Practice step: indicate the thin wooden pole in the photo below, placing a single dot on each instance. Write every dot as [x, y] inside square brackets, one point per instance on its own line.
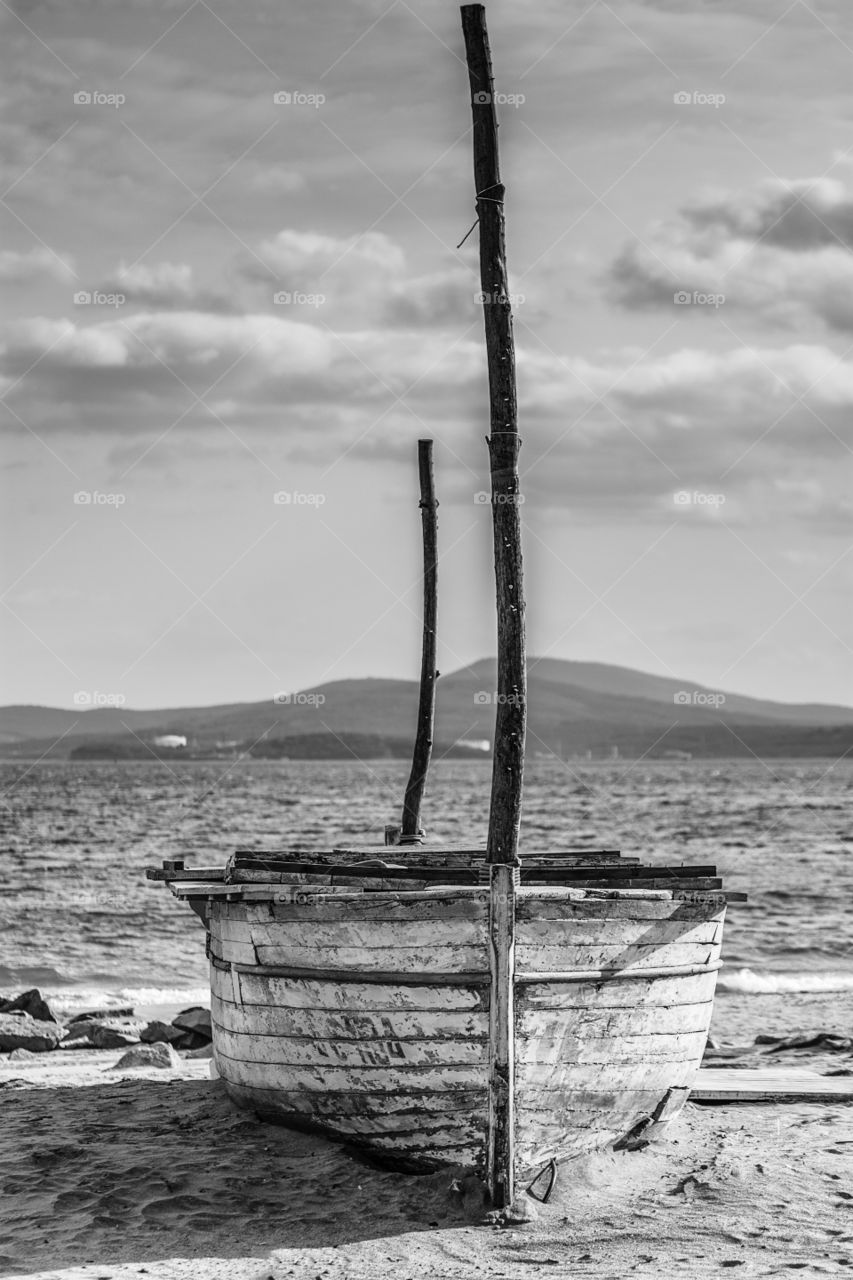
[511, 712]
[410, 830]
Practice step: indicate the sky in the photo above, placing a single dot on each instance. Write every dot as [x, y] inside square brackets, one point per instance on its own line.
[232, 302]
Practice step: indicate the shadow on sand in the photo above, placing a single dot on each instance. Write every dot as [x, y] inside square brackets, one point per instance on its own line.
[133, 1169]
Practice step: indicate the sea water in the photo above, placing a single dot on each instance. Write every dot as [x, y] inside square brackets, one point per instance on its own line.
[79, 919]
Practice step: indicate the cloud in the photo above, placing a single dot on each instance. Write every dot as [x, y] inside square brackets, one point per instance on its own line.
[22, 268]
[781, 252]
[366, 280]
[166, 285]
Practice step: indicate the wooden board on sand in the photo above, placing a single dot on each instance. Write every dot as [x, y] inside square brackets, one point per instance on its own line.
[769, 1084]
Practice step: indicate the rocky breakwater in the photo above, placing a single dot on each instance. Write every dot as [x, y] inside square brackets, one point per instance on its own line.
[28, 1026]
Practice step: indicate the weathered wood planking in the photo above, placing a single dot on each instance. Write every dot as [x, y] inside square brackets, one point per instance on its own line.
[605, 955]
[436, 1077]
[327, 1055]
[598, 1020]
[325, 1024]
[661, 992]
[769, 1084]
[355, 997]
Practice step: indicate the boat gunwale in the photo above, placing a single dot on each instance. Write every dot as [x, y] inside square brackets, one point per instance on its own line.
[473, 978]
[317, 894]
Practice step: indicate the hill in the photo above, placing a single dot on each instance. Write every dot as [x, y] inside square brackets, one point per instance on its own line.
[574, 707]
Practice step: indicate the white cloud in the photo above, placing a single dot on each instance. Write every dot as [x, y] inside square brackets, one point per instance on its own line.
[19, 268]
[781, 251]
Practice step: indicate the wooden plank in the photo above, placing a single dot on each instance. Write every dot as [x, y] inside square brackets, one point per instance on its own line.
[399, 1079]
[544, 1053]
[185, 873]
[370, 936]
[769, 1084]
[330, 1055]
[361, 997]
[436, 962]
[533, 910]
[646, 993]
[631, 974]
[386, 869]
[390, 1112]
[605, 956]
[613, 1077]
[603, 1021]
[426, 851]
[345, 1024]
[605, 932]
[195, 889]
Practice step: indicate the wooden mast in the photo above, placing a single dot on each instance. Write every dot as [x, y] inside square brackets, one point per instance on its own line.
[410, 830]
[511, 712]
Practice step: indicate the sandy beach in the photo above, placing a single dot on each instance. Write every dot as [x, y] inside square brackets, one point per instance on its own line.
[109, 1174]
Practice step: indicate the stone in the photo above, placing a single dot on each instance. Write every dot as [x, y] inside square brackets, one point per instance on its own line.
[17, 1054]
[195, 1019]
[114, 1033]
[30, 1002]
[20, 1031]
[161, 1033]
[98, 1015]
[206, 1051]
[158, 1055]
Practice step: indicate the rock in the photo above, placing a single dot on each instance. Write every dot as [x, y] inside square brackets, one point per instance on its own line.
[161, 1033]
[195, 1019]
[20, 1031]
[148, 1055]
[17, 1054]
[114, 1035]
[104, 1034]
[30, 1002]
[206, 1051]
[191, 1040]
[98, 1015]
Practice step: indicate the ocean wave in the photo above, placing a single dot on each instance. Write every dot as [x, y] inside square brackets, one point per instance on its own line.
[80, 998]
[748, 982]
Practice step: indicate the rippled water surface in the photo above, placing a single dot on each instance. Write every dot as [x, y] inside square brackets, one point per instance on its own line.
[77, 915]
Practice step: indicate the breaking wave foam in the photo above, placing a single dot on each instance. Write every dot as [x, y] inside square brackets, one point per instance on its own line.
[748, 982]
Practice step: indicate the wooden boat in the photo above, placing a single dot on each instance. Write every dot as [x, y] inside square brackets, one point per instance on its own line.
[460, 1007]
[356, 997]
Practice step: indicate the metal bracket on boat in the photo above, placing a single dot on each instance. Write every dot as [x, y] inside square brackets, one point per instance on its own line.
[550, 1171]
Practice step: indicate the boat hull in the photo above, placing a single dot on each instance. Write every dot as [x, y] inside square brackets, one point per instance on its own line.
[366, 1015]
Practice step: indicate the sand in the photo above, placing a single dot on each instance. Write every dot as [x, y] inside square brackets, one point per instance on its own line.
[156, 1174]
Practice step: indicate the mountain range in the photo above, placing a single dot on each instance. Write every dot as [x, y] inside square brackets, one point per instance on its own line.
[574, 708]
